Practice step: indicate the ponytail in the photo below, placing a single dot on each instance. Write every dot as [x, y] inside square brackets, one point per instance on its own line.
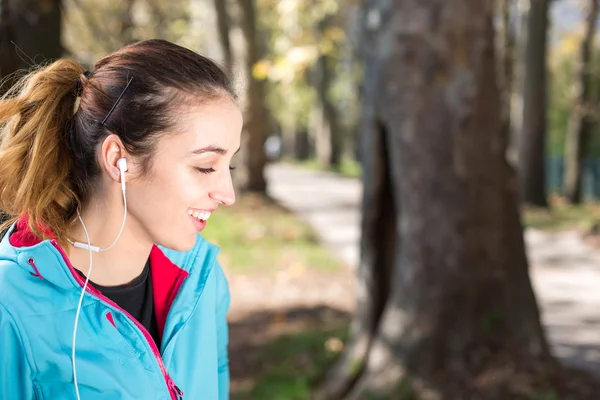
[35, 162]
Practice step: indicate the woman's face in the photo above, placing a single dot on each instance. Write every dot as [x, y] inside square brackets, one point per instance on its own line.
[189, 176]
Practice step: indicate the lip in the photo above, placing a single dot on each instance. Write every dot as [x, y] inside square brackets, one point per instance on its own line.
[198, 225]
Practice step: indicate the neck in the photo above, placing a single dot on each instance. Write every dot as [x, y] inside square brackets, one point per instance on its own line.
[124, 261]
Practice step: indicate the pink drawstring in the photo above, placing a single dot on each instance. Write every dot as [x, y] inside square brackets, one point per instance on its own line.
[31, 262]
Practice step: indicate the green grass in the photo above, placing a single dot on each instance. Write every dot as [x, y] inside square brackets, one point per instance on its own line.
[562, 216]
[256, 234]
[293, 363]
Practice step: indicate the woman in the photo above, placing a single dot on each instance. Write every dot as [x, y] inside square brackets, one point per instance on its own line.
[107, 290]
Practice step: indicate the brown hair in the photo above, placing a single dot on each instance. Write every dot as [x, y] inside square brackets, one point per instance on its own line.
[54, 119]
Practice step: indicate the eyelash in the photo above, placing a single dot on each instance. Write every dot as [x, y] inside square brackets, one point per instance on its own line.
[207, 171]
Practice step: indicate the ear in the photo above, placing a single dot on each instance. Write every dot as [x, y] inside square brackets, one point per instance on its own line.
[113, 150]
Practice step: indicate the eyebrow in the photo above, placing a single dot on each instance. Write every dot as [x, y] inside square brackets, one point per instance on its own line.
[210, 149]
[213, 149]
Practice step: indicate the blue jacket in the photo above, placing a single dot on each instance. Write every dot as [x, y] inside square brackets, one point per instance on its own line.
[39, 292]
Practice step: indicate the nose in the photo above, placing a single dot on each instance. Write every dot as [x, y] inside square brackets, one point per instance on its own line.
[224, 193]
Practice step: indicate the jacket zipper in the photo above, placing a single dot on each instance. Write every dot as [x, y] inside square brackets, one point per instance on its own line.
[174, 391]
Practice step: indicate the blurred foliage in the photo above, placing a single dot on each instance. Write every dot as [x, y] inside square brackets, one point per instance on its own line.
[298, 32]
[93, 28]
[295, 33]
[562, 74]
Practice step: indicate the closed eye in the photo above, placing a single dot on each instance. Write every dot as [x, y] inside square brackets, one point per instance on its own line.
[210, 170]
[205, 170]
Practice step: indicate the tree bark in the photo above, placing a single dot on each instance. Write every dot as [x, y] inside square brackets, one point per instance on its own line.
[256, 120]
[223, 27]
[579, 123]
[444, 294]
[518, 72]
[533, 139]
[508, 48]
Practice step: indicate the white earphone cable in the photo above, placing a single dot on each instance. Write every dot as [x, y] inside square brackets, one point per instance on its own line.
[91, 248]
[79, 311]
[122, 225]
[98, 249]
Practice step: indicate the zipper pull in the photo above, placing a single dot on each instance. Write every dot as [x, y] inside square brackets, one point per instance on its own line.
[175, 388]
[178, 391]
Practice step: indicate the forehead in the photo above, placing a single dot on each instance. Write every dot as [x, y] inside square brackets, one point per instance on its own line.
[217, 123]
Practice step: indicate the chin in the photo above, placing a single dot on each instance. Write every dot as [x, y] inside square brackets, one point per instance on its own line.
[181, 244]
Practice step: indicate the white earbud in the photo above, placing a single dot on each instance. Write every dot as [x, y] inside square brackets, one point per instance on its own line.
[122, 164]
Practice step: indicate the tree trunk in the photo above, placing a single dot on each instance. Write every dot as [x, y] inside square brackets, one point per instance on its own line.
[328, 136]
[223, 27]
[31, 34]
[444, 294]
[507, 48]
[518, 72]
[301, 144]
[579, 123]
[533, 138]
[256, 119]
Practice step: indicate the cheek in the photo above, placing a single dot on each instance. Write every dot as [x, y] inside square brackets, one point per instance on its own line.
[176, 187]
[162, 209]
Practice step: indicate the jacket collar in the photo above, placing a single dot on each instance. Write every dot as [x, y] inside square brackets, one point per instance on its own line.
[47, 260]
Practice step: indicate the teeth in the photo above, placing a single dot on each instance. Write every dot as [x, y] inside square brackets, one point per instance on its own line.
[199, 215]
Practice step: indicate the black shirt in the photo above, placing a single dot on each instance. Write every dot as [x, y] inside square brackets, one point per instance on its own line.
[136, 298]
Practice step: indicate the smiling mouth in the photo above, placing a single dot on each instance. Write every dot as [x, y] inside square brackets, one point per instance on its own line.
[200, 215]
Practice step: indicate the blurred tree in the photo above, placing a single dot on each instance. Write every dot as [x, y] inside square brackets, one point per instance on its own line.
[444, 292]
[256, 116]
[563, 61]
[328, 132]
[304, 36]
[519, 17]
[507, 39]
[533, 137]
[223, 27]
[581, 115]
[30, 34]
[126, 25]
[94, 28]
